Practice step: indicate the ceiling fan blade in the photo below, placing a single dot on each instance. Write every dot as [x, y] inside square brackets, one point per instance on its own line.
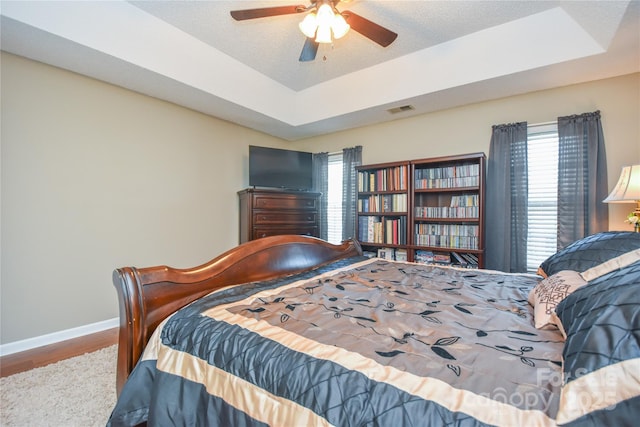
[241, 15]
[309, 50]
[370, 29]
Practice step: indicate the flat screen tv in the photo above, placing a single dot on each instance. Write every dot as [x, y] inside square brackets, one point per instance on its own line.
[277, 168]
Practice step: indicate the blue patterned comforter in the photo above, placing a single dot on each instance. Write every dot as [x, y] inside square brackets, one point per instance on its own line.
[361, 342]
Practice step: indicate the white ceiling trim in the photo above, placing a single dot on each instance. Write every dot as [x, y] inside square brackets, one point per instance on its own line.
[499, 51]
[124, 31]
[175, 51]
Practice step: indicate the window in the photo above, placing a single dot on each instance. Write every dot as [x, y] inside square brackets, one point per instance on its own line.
[542, 146]
[334, 198]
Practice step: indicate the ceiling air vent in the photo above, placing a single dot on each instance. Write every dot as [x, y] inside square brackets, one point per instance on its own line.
[401, 109]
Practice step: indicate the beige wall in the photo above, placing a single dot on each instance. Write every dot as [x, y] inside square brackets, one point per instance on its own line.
[468, 129]
[96, 177]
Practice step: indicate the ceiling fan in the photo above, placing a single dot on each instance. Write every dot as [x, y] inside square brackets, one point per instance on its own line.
[322, 20]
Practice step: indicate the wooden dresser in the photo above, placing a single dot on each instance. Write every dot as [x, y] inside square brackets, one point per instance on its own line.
[273, 212]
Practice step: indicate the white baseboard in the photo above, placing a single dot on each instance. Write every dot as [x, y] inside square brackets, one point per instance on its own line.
[31, 343]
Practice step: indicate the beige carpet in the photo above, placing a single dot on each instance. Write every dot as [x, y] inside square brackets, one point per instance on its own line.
[80, 391]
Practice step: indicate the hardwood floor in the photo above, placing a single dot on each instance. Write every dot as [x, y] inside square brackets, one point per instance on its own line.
[42, 356]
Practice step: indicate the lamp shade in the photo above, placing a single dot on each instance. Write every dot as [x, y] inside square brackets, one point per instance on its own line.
[323, 35]
[308, 25]
[628, 187]
[339, 26]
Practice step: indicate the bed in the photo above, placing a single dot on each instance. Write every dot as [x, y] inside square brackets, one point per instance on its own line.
[295, 331]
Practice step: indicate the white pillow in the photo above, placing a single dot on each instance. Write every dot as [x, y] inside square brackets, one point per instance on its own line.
[548, 293]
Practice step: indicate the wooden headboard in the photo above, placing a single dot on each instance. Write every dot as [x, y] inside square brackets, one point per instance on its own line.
[148, 295]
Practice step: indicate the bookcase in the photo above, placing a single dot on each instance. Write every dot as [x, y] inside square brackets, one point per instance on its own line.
[433, 213]
[383, 206]
[448, 209]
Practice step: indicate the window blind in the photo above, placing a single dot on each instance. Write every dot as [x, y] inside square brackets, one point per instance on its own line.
[543, 194]
[334, 198]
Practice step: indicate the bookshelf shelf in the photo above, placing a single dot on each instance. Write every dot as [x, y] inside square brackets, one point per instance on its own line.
[445, 190]
[445, 220]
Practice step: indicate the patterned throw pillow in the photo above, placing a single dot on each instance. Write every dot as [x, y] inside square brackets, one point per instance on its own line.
[548, 293]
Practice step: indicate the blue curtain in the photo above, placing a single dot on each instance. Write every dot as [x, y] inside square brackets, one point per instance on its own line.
[320, 167]
[351, 157]
[506, 212]
[582, 178]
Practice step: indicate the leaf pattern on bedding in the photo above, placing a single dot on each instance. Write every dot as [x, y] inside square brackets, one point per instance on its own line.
[390, 353]
[529, 361]
[390, 314]
[445, 323]
[442, 353]
[460, 308]
[454, 368]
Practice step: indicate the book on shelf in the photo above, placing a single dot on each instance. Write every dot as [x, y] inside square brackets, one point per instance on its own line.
[430, 257]
[463, 206]
[472, 260]
[369, 228]
[459, 259]
[386, 253]
[382, 203]
[459, 236]
[401, 255]
[423, 257]
[386, 230]
[447, 177]
[441, 258]
[384, 179]
[469, 212]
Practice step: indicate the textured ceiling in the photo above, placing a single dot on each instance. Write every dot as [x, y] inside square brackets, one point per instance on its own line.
[448, 53]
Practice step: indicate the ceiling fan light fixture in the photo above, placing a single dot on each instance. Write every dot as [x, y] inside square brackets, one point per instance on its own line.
[324, 15]
[308, 25]
[323, 35]
[339, 26]
[324, 18]
[321, 24]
